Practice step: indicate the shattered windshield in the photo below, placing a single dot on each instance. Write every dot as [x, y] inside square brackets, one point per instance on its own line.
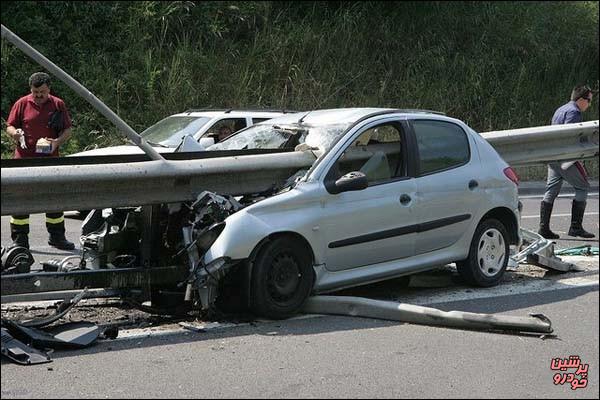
[169, 131]
[266, 136]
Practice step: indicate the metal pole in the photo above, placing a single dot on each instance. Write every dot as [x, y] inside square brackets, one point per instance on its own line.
[83, 92]
[389, 310]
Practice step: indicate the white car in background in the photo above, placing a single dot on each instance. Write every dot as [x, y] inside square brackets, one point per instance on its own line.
[200, 125]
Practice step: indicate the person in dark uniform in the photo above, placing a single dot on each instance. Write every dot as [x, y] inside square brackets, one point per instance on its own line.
[572, 171]
[39, 123]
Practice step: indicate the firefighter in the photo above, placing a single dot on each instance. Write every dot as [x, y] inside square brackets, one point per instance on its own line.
[39, 123]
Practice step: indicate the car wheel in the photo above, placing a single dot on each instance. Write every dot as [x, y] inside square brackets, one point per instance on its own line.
[488, 255]
[282, 278]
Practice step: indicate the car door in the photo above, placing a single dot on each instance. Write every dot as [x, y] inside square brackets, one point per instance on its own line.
[375, 224]
[448, 193]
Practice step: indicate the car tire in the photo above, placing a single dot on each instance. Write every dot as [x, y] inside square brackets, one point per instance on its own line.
[282, 278]
[488, 255]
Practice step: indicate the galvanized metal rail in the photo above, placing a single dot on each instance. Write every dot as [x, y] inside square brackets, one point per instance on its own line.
[390, 310]
[55, 188]
[541, 144]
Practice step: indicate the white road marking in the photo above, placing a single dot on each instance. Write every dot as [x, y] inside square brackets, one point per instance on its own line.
[512, 289]
[539, 196]
[556, 215]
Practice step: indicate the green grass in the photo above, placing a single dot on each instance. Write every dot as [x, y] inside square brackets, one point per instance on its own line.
[495, 65]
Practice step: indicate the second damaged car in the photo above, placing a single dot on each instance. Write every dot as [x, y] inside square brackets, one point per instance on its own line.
[391, 193]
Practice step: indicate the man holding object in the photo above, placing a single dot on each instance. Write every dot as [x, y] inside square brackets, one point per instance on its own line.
[39, 123]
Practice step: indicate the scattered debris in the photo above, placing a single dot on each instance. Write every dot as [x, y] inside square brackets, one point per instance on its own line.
[16, 260]
[540, 252]
[62, 309]
[24, 342]
[584, 250]
[19, 352]
[205, 326]
[72, 335]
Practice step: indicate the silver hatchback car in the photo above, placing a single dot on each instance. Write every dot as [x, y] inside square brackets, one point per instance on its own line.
[391, 193]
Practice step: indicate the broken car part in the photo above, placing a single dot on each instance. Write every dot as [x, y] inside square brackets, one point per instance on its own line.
[583, 250]
[63, 308]
[540, 252]
[208, 213]
[110, 238]
[389, 310]
[16, 260]
[64, 265]
[20, 353]
[72, 335]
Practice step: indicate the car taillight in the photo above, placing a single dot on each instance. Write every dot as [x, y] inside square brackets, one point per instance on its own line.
[512, 175]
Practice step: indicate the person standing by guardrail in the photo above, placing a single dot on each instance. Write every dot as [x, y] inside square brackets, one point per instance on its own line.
[573, 171]
[39, 123]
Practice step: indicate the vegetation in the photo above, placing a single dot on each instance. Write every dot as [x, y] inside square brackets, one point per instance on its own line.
[495, 65]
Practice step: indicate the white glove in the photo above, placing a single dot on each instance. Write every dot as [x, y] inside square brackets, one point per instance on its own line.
[22, 138]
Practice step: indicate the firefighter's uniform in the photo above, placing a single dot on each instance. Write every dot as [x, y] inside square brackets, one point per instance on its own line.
[55, 223]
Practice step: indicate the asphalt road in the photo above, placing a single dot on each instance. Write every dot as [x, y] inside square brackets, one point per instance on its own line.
[333, 357]
[337, 357]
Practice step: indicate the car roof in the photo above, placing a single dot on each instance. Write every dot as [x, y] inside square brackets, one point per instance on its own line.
[212, 113]
[342, 115]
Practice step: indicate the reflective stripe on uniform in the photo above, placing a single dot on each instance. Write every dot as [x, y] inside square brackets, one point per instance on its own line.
[16, 221]
[55, 220]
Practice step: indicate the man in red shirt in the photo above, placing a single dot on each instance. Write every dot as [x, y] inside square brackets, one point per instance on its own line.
[40, 124]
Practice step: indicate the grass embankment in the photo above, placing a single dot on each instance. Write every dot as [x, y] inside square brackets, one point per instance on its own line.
[495, 65]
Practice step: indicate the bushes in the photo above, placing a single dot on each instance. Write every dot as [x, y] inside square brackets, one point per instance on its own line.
[496, 65]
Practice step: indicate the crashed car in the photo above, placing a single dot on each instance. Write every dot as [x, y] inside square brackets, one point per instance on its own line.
[391, 193]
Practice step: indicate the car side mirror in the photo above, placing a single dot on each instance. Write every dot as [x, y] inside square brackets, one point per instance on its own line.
[352, 181]
[206, 141]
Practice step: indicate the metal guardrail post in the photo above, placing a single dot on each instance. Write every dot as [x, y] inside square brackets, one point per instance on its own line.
[540, 252]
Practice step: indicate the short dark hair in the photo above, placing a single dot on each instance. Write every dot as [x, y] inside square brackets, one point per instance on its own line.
[580, 92]
[38, 79]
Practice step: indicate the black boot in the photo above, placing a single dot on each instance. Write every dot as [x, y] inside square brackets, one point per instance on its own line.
[21, 240]
[60, 242]
[545, 213]
[577, 211]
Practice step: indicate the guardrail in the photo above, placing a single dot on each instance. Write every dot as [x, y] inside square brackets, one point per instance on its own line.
[542, 144]
[83, 187]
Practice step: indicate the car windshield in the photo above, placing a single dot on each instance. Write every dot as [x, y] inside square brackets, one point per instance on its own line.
[169, 131]
[269, 136]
